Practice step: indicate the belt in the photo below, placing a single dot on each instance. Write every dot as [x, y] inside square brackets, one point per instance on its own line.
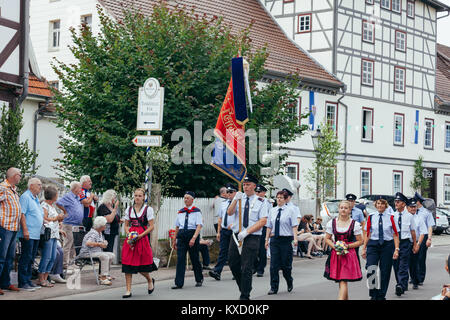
[282, 237]
[404, 240]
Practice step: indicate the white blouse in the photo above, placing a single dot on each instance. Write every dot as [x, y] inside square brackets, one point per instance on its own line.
[357, 230]
[150, 214]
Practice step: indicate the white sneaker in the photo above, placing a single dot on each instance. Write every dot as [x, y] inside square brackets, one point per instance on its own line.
[56, 278]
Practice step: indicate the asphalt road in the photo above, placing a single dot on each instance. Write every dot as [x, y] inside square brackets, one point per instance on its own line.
[309, 284]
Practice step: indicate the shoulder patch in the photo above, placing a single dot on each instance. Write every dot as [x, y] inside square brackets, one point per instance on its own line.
[260, 199]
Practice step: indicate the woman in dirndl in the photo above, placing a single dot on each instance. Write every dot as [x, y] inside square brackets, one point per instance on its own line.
[137, 255]
[343, 266]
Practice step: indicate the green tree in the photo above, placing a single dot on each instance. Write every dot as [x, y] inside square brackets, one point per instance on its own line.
[321, 176]
[14, 153]
[419, 183]
[190, 56]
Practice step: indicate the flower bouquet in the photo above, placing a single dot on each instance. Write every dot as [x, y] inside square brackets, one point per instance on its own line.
[132, 238]
[341, 248]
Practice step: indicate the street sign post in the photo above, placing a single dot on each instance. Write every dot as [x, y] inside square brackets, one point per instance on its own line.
[147, 141]
[149, 118]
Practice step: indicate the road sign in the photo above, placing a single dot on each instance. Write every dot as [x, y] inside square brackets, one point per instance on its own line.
[150, 106]
[147, 141]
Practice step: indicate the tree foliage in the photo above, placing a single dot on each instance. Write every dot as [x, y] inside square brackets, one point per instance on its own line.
[322, 174]
[14, 153]
[190, 56]
[419, 183]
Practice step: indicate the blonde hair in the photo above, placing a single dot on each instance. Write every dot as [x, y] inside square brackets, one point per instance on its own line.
[383, 201]
[141, 190]
[346, 202]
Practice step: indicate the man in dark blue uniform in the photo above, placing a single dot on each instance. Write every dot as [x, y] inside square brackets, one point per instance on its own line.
[224, 233]
[261, 259]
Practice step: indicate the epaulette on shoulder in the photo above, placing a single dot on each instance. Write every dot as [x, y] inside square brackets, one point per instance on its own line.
[261, 199]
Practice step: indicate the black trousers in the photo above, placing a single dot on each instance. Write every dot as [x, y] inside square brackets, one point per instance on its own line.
[110, 238]
[183, 238]
[422, 259]
[281, 255]
[261, 259]
[414, 267]
[241, 265]
[401, 265]
[225, 238]
[381, 256]
[204, 251]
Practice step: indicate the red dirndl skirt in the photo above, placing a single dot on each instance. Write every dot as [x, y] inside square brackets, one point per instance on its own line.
[343, 267]
[138, 258]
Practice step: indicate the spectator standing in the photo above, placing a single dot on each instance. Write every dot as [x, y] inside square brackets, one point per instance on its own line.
[51, 220]
[73, 212]
[10, 213]
[57, 270]
[29, 235]
[86, 199]
[108, 209]
[93, 243]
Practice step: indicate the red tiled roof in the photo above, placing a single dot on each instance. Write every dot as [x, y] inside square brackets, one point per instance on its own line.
[443, 73]
[284, 55]
[38, 87]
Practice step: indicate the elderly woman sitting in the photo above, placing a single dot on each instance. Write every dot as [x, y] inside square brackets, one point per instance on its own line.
[94, 242]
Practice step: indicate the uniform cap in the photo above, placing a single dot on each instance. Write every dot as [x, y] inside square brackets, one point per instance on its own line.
[412, 202]
[418, 197]
[192, 194]
[260, 188]
[401, 197]
[250, 178]
[350, 196]
[288, 192]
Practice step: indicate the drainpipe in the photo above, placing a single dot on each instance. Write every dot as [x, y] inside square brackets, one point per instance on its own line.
[345, 141]
[36, 119]
[25, 45]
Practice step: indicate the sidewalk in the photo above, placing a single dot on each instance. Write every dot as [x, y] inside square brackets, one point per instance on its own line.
[88, 283]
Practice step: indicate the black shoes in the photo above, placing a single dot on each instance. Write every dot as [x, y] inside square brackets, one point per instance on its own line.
[260, 275]
[150, 291]
[290, 287]
[214, 275]
[199, 284]
[271, 292]
[398, 290]
[177, 287]
[207, 268]
[127, 295]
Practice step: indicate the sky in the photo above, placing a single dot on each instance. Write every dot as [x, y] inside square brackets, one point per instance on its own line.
[443, 27]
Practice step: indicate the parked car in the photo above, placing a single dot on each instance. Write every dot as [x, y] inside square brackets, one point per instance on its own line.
[373, 197]
[442, 221]
[330, 209]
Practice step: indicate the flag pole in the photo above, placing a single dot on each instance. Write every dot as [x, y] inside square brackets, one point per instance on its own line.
[240, 213]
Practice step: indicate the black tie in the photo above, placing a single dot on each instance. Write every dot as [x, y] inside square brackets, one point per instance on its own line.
[380, 230]
[277, 224]
[400, 225]
[225, 221]
[186, 219]
[246, 210]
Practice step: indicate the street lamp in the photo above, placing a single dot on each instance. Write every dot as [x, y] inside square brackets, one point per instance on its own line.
[316, 139]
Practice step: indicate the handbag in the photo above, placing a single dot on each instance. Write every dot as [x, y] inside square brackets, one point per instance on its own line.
[47, 234]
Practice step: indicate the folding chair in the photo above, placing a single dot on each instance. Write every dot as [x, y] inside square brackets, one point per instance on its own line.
[80, 262]
[171, 237]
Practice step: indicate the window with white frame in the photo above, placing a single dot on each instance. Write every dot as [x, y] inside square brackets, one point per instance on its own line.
[55, 31]
[399, 79]
[331, 109]
[386, 4]
[400, 40]
[368, 31]
[397, 6]
[54, 84]
[428, 137]
[399, 120]
[367, 72]
[447, 136]
[410, 9]
[397, 182]
[369, 1]
[366, 181]
[447, 189]
[291, 170]
[367, 124]
[304, 23]
[86, 20]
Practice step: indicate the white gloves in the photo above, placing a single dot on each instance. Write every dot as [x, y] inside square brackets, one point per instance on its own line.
[238, 195]
[242, 235]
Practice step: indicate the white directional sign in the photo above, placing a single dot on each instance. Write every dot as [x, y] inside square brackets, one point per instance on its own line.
[147, 141]
[150, 106]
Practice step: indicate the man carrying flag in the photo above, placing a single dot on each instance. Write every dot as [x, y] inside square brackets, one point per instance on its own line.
[253, 219]
[250, 212]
